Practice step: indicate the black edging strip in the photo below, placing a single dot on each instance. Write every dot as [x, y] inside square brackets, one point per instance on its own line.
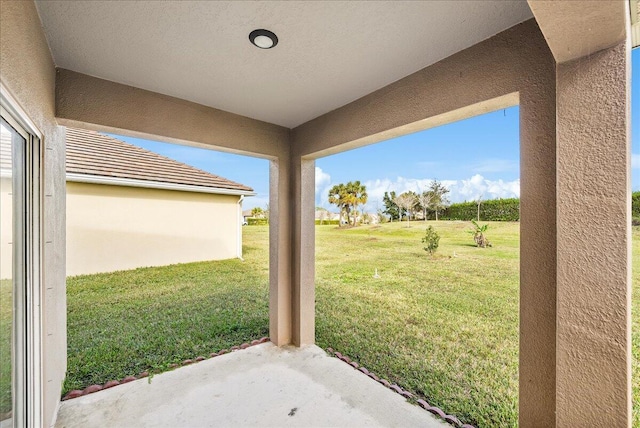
[422, 403]
[95, 388]
[406, 394]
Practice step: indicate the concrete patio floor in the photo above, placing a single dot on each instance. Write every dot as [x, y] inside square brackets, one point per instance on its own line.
[260, 386]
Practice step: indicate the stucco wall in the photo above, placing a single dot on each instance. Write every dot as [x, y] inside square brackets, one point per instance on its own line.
[28, 72]
[517, 64]
[594, 240]
[112, 228]
[513, 66]
[161, 117]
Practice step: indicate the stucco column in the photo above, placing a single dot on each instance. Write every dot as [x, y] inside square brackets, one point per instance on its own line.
[303, 246]
[594, 245]
[279, 252]
[537, 358]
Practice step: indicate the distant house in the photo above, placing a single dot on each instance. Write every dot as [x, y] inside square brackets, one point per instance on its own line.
[128, 207]
[323, 214]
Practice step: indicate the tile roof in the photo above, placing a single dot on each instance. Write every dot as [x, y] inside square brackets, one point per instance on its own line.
[94, 154]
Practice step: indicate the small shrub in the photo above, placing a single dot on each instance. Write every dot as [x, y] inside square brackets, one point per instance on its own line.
[478, 234]
[257, 221]
[431, 240]
[635, 221]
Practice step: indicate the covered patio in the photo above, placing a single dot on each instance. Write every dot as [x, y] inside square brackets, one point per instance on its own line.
[343, 75]
[260, 386]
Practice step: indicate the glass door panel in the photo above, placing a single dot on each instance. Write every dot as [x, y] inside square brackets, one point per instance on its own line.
[12, 262]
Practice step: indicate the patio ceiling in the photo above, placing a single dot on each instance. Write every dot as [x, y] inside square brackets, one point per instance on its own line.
[329, 53]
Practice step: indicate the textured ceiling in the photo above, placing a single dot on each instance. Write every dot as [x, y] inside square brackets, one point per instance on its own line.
[329, 52]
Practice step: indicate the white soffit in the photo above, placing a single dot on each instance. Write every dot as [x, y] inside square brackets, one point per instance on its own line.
[329, 52]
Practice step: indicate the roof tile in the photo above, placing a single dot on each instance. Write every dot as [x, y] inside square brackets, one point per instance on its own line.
[95, 154]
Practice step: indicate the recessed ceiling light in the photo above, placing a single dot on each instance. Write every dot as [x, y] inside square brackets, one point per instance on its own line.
[264, 39]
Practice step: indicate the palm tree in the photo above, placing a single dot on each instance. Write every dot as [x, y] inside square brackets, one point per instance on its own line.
[356, 195]
[347, 197]
[337, 196]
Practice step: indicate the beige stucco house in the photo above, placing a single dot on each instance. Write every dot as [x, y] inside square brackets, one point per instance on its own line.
[128, 207]
[344, 75]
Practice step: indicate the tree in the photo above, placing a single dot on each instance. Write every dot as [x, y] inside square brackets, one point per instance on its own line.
[431, 240]
[479, 202]
[257, 212]
[337, 196]
[407, 202]
[390, 207]
[438, 192]
[424, 199]
[347, 197]
[356, 195]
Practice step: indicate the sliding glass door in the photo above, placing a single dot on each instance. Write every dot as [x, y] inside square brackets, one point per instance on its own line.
[19, 274]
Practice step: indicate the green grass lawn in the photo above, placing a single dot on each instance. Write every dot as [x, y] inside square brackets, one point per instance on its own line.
[123, 323]
[6, 313]
[445, 328]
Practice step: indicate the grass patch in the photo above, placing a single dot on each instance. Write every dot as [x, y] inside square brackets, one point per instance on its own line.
[444, 327]
[123, 323]
[6, 317]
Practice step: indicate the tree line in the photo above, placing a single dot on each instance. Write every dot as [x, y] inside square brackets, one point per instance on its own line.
[408, 204]
[431, 204]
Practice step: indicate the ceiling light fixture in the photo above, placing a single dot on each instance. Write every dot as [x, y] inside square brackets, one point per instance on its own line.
[264, 39]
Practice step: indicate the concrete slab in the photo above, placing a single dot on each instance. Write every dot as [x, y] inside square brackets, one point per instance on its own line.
[262, 386]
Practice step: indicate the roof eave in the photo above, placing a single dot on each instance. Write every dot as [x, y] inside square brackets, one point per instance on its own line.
[634, 8]
[128, 182]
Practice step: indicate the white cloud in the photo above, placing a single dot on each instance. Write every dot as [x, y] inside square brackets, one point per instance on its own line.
[459, 190]
[322, 179]
[479, 187]
[635, 160]
[323, 184]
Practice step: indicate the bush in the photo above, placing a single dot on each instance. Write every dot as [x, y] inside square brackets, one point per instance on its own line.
[491, 210]
[635, 221]
[257, 221]
[635, 205]
[431, 240]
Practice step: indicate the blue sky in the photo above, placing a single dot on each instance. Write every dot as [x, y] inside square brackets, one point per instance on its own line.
[476, 157]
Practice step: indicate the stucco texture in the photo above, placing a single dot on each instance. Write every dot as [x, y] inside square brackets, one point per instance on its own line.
[574, 281]
[594, 240]
[513, 66]
[111, 228]
[28, 72]
[87, 102]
